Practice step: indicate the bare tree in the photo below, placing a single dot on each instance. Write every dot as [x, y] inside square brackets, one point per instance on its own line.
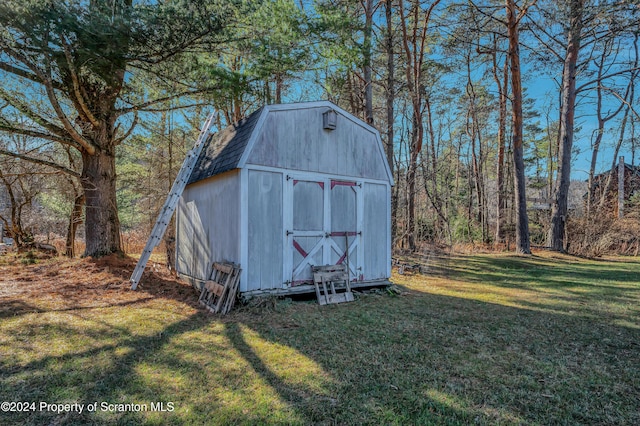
[602, 117]
[414, 22]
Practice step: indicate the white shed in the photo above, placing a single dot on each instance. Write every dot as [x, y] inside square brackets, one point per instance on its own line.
[289, 187]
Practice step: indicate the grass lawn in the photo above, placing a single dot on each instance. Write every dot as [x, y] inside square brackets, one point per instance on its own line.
[483, 339]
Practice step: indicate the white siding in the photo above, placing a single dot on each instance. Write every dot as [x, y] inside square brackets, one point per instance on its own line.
[375, 235]
[295, 140]
[208, 225]
[265, 233]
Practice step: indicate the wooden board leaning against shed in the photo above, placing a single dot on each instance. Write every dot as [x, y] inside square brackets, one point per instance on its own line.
[332, 284]
[219, 293]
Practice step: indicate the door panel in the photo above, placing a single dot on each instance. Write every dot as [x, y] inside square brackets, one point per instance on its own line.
[344, 225]
[306, 239]
[324, 223]
[308, 205]
[306, 250]
[343, 207]
[338, 254]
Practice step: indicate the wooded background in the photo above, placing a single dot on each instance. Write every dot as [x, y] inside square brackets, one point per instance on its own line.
[503, 120]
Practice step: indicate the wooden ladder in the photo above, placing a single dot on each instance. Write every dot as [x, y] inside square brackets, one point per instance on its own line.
[332, 284]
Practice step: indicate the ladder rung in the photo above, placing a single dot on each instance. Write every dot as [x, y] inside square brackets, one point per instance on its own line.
[172, 200]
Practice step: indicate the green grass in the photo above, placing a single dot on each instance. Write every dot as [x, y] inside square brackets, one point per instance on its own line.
[485, 339]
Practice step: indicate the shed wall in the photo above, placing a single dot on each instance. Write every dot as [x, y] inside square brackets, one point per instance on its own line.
[376, 236]
[265, 232]
[295, 140]
[208, 225]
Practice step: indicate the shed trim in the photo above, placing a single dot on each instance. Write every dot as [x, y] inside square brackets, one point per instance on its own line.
[244, 227]
[309, 175]
[254, 135]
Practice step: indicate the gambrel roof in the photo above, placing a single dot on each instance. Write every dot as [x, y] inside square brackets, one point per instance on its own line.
[291, 136]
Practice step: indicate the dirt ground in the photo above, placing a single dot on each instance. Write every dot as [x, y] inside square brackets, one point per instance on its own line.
[58, 283]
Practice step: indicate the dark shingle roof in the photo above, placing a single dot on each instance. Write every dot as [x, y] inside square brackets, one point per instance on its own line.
[223, 150]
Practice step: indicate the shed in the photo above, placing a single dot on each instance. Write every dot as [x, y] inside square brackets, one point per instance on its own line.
[289, 187]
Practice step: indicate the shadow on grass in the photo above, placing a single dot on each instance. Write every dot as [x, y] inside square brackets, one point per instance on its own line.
[576, 282]
[13, 308]
[418, 358]
[512, 269]
[204, 367]
[103, 373]
[432, 359]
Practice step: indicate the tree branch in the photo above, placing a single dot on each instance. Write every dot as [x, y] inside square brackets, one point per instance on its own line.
[40, 161]
[23, 108]
[19, 72]
[487, 15]
[40, 135]
[159, 57]
[545, 44]
[524, 10]
[76, 85]
[598, 80]
[37, 75]
[175, 108]
[623, 102]
[88, 146]
[128, 132]
[47, 81]
[143, 106]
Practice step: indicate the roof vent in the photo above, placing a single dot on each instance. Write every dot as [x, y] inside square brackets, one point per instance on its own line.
[329, 119]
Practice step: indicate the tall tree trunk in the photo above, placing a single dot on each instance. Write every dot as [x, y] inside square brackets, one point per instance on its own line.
[628, 103]
[473, 131]
[416, 140]
[390, 107]
[608, 186]
[279, 83]
[523, 245]
[551, 156]
[20, 236]
[102, 226]
[559, 208]
[434, 196]
[170, 232]
[368, 86]
[75, 219]
[502, 127]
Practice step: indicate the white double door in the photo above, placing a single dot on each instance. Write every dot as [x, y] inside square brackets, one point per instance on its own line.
[324, 226]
